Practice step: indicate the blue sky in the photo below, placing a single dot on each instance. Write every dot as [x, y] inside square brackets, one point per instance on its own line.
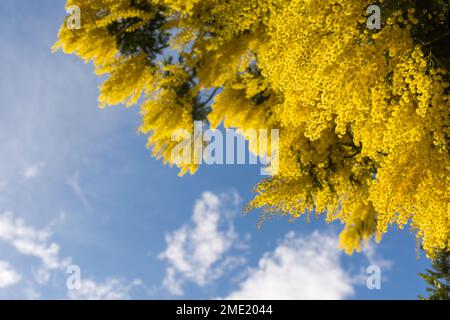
[78, 187]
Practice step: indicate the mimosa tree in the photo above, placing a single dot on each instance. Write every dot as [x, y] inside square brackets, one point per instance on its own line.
[364, 115]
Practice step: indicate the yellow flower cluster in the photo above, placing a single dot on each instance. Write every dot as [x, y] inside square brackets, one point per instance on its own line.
[342, 82]
[363, 114]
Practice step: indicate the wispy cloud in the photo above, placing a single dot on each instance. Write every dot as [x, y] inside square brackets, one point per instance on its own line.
[198, 252]
[8, 276]
[33, 171]
[30, 241]
[375, 258]
[35, 242]
[299, 268]
[371, 253]
[110, 289]
[74, 182]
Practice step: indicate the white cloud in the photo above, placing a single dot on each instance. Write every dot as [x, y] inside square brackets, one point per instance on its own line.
[8, 276]
[30, 241]
[42, 275]
[299, 268]
[196, 251]
[33, 171]
[110, 289]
